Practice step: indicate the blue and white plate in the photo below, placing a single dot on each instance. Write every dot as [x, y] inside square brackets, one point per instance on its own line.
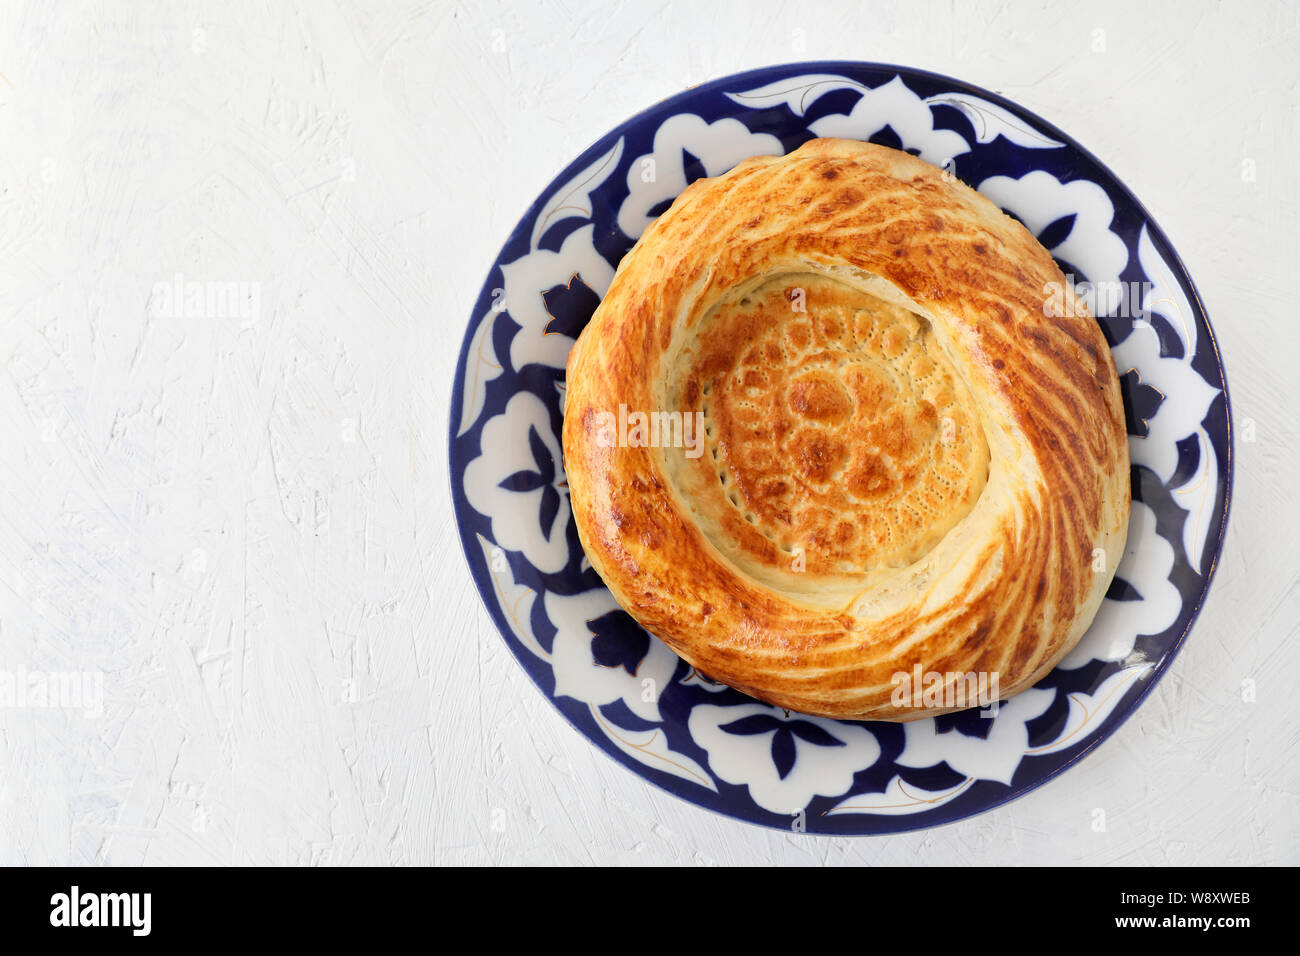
[630, 695]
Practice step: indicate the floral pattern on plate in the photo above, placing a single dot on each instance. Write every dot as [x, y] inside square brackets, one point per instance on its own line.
[627, 692]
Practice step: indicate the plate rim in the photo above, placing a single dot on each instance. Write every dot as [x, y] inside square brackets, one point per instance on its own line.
[1158, 237]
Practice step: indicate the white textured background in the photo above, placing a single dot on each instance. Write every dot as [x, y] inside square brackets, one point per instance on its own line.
[245, 523]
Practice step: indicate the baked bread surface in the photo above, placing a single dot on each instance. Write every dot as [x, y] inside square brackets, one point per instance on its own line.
[913, 449]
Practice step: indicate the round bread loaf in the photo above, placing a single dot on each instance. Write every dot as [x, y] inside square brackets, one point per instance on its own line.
[840, 425]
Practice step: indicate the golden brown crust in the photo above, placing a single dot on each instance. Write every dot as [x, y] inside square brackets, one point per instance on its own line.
[906, 460]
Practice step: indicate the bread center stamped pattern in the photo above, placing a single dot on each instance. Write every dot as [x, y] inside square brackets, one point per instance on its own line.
[837, 429]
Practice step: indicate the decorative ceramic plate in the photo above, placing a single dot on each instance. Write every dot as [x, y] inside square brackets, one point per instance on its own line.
[630, 695]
